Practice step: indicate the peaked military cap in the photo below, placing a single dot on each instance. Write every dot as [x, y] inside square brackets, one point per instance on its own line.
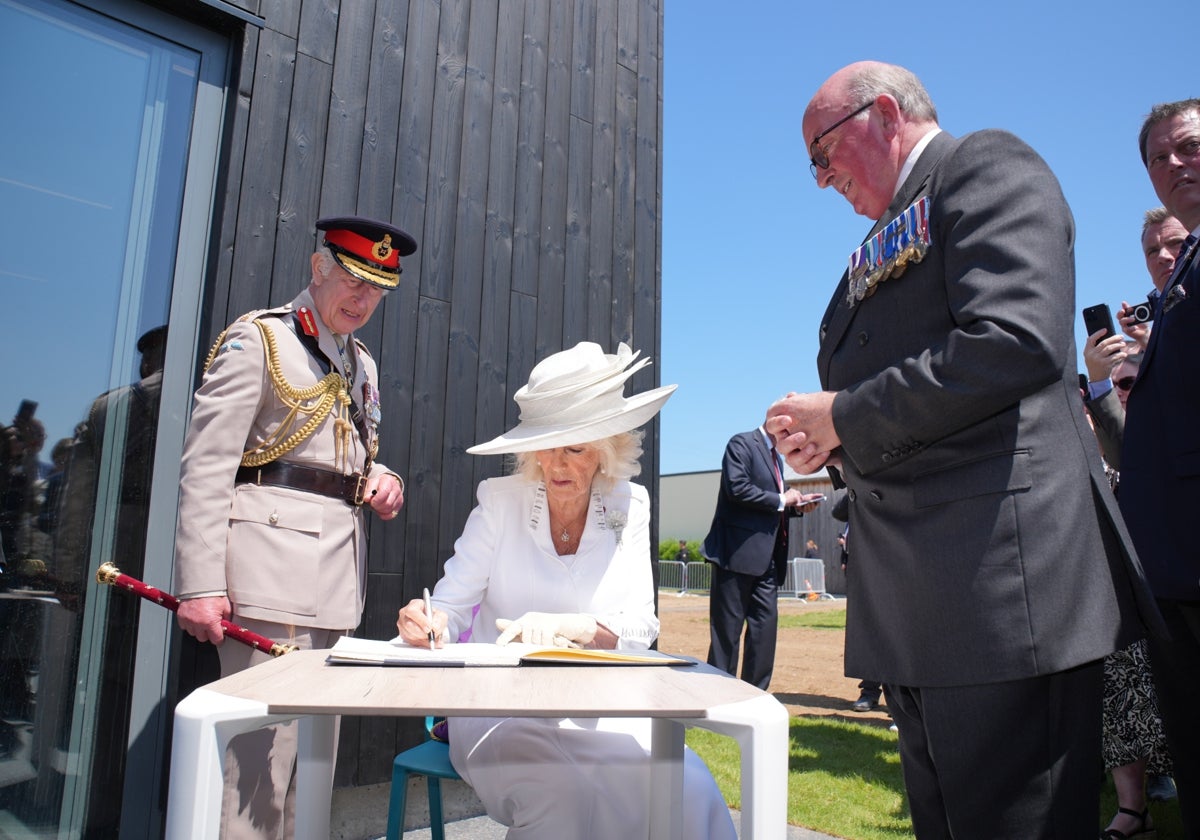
[370, 250]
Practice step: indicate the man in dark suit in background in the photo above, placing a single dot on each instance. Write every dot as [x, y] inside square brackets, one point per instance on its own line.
[748, 547]
[992, 571]
[1160, 456]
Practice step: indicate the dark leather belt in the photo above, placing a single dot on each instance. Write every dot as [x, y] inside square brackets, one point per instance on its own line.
[348, 488]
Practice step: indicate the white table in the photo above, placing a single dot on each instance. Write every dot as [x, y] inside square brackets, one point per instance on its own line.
[300, 685]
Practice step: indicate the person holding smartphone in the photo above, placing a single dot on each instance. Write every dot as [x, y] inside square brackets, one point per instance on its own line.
[748, 548]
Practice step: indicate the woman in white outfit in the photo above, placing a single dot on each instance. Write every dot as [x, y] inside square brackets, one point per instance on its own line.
[559, 553]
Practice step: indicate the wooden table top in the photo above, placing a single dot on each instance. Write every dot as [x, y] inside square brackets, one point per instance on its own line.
[302, 683]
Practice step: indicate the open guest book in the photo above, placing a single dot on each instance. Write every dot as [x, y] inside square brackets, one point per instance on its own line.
[351, 651]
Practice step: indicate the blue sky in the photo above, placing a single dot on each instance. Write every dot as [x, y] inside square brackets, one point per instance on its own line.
[752, 249]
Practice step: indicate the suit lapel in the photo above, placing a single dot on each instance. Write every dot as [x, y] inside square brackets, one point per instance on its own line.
[839, 314]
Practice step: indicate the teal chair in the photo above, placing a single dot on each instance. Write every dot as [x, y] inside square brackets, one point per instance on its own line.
[430, 759]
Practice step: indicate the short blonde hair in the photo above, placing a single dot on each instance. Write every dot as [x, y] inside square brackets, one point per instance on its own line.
[619, 456]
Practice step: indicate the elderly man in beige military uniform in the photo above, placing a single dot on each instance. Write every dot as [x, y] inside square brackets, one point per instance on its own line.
[277, 468]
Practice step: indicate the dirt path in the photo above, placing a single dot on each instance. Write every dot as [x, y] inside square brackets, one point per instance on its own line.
[808, 675]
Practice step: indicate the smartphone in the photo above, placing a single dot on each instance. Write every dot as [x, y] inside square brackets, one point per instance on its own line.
[1098, 317]
[813, 500]
[25, 411]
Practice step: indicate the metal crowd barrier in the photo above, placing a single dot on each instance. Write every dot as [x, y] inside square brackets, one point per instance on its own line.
[805, 579]
[694, 577]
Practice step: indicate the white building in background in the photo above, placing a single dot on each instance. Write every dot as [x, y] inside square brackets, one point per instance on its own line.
[686, 501]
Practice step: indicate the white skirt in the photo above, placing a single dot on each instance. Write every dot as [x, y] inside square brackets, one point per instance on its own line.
[577, 778]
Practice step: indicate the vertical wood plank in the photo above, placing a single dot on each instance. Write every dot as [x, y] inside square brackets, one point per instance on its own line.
[522, 353]
[577, 247]
[551, 267]
[604, 104]
[347, 109]
[493, 396]
[262, 174]
[230, 186]
[467, 287]
[624, 184]
[281, 16]
[647, 280]
[303, 160]
[527, 210]
[381, 113]
[318, 26]
[627, 33]
[425, 449]
[583, 59]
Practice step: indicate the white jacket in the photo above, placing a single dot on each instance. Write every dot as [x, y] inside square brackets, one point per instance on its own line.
[506, 563]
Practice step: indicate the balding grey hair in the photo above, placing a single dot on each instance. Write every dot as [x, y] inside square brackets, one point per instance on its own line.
[1164, 111]
[876, 79]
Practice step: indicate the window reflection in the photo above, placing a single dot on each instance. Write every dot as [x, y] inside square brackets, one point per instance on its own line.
[90, 198]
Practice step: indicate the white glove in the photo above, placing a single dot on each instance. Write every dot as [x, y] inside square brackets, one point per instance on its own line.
[548, 629]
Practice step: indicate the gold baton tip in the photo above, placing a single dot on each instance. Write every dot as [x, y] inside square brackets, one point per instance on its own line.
[107, 573]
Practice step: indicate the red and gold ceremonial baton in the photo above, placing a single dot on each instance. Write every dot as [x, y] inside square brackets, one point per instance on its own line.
[110, 574]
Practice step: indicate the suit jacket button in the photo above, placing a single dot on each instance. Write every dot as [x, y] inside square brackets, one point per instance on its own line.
[885, 457]
[863, 338]
[876, 495]
[851, 494]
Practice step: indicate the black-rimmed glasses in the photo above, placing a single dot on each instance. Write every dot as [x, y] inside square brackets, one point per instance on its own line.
[1125, 382]
[818, 159]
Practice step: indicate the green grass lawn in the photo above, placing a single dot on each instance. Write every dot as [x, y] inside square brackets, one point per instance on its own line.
[844, 778]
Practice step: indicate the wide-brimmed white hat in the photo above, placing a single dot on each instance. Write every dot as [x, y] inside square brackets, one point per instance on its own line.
[577, 396]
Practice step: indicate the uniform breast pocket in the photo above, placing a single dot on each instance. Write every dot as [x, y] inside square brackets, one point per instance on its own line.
[273, 552]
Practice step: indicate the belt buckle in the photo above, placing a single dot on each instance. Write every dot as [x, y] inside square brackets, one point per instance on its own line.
[360, 486]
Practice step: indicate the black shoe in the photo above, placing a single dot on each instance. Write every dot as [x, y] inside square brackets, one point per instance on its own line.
[865, 703]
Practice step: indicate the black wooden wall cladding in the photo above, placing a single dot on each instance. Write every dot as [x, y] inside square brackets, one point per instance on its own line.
[520, 142]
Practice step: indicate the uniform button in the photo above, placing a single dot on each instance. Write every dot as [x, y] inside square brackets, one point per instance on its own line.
[863, 338]
[852, 494]
[876, 495]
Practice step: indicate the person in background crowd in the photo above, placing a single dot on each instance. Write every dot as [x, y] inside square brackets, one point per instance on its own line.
[747, 546]
[1162, 237]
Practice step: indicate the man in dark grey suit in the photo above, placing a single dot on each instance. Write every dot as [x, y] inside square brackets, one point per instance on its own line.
[748, 547]
[992, 571]
[1160, 456]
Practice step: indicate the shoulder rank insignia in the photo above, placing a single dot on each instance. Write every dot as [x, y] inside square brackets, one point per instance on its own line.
[903, 240]
[307, 322]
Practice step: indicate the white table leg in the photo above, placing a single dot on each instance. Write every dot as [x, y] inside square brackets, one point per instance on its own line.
[315, 747]
[666, 779]
[760, 726]
[205, 722]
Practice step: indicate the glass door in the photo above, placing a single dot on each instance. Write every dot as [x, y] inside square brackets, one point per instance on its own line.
[105, 188]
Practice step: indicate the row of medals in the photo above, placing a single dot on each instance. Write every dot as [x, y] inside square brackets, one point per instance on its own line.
[903, 240]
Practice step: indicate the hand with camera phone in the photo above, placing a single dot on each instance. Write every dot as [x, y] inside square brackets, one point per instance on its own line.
[1104, 348]
[1135, 320]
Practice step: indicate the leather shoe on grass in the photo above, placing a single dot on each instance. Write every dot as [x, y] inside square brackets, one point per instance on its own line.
[864, 704]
